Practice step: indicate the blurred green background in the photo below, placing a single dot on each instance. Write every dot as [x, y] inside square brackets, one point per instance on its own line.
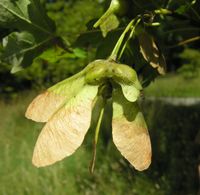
[173, 128]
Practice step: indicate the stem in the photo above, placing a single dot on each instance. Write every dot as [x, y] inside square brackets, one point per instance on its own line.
[184, 42]
[103, 18]
[116, 49]
[130, 36]
[162, 11]
[92, 165]
[176, 15]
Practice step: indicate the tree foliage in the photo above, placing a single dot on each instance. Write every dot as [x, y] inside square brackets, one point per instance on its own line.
[135, 33]
[27, 31]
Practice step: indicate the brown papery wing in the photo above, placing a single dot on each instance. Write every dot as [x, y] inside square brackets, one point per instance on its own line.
[130, 134]
[66, 130]
[47, 103]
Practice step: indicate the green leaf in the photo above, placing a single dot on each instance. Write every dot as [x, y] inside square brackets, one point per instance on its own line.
[20, 49]
[36, 31]
[110, 23]
[55, 53]
[6, 18]
[25, 15]
[91, 38]
[80, 53]
[184, 8]
[106, 46]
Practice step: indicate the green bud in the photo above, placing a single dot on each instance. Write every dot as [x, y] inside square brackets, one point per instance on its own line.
[118, 7]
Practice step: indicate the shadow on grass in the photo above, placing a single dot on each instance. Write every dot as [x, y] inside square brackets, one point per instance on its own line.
[173, 131]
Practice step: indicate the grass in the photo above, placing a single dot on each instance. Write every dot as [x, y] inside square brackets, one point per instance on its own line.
[113, 174]
[18, 176]
[172, 171]
[174, 86]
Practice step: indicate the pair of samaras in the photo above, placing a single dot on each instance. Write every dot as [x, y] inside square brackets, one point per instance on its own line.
[67, 110]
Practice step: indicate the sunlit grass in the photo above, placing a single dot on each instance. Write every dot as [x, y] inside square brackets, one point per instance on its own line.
[68, 177]
[174, 86]
[17, 175]
[113, 175]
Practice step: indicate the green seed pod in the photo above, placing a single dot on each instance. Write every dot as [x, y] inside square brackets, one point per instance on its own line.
[101, 70]
[96, 72]
[124, 74]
